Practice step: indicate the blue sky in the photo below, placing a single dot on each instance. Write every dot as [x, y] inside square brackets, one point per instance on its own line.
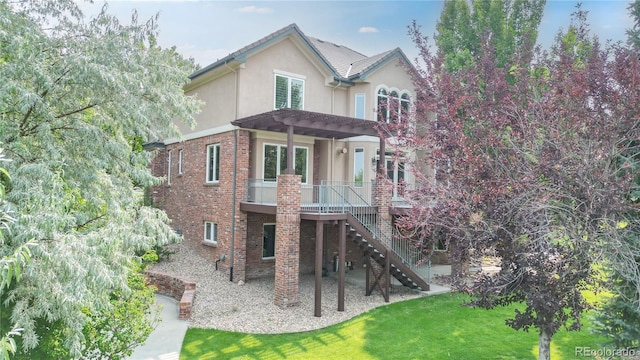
[208, 30]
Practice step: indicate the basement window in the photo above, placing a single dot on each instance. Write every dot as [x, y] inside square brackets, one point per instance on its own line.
[268, 241]
[210, 232]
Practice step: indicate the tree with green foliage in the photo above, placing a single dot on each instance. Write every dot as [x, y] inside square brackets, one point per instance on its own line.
[510, 27]
[633, 34]
[11, 265]
[507, 28]
[619, 316]
[77, 96]
[108, 334]
[536, 163]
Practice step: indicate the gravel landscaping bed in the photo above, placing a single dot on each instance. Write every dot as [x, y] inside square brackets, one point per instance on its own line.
[249, 308]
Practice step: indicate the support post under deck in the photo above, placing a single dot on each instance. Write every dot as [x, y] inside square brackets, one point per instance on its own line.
[342, 254]
[318, 268]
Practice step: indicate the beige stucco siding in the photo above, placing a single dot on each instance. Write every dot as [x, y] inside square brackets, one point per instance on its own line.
[341, 101]
[219, 95]
[257, 79]
[392, 75]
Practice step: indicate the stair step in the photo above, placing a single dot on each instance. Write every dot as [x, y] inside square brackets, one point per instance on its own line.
[379, 256]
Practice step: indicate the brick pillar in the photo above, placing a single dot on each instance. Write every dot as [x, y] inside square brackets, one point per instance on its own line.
[287, 251]
[382, 196]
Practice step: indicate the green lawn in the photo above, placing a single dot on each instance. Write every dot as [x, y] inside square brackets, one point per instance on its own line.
[434, 327]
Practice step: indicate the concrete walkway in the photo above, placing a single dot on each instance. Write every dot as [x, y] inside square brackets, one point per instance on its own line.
[165, 341]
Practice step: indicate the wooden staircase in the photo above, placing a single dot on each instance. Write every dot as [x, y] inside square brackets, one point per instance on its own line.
[385, 257]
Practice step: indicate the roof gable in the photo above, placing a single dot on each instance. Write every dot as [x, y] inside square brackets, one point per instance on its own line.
[344, 63]
[365, 67]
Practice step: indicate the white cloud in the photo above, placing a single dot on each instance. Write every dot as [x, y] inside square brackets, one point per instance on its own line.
[255, 9]
[368, 29]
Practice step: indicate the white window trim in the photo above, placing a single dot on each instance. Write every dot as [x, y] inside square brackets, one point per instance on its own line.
[169, 167]
[209, 147]
[211, 238]
[180, 170]
[395, 162]
[278, 165]
[274, 243]
[290, 76]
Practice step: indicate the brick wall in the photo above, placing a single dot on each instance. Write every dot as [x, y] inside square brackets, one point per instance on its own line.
[158, 168]
[256, 266]
[287, 274]
[189, 201]
[176, 287]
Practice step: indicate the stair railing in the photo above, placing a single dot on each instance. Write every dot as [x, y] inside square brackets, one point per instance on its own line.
[382, 229]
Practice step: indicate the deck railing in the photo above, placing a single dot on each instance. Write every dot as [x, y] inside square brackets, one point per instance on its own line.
[329, 196]
[347, 197]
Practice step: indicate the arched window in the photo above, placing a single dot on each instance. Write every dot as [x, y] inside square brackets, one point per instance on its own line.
[383, 105]
[405, 101]
[392, 106]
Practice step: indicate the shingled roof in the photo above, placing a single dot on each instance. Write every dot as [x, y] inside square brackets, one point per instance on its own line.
[345, 63]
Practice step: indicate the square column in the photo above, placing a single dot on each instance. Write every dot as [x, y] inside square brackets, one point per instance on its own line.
[382, 196]
[287, 251]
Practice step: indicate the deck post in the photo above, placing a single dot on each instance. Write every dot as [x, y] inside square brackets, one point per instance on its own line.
[387, 275]
[342, 254]
[367, 280]
[318, 268]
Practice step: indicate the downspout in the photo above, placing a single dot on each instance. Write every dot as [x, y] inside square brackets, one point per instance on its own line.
[233, 208]
[235, 175]
[333, 150]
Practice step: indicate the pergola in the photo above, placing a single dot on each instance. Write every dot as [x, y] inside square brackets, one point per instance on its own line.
[301, 122]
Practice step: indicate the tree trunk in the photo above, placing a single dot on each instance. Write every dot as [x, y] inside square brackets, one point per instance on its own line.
[460, 259]
[544, 346]
[459, 269]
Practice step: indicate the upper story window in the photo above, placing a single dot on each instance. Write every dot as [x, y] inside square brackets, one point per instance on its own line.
[289, 92]
[180, 170]
[275, 161]
[393, 105]
[213, 163]
[359, 106]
